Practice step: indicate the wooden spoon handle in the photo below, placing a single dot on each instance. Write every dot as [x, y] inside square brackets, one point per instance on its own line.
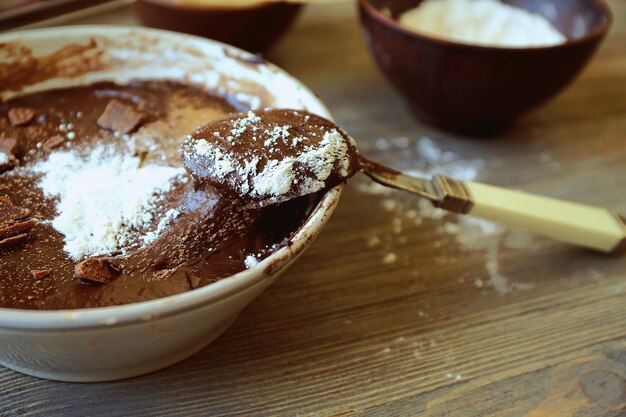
[593, 227]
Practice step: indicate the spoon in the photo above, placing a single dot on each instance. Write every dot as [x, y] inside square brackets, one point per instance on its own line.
[274, 155]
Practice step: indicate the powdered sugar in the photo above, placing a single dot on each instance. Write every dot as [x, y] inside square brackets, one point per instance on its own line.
[275, 180]
[103, 198]
[223, 164]
[278, 177]
[269, 160]
[4, 158]
[241, 125]
[278, 133]
[167, 219]
[250, 261]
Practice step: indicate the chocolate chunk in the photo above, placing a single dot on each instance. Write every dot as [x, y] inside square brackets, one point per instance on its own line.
[193, 280]
[9, 212]
[120, 117]
[9, 146]
[19, 116]
[8, 149]
[40, 274]
[99, 271]
[15, 234]
[142, 154]
[13, 241]
[54, 142]
[16, 229]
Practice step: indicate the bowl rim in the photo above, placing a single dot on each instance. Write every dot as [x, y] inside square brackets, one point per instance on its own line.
[260, 4]
[597, 32]
[14, 319]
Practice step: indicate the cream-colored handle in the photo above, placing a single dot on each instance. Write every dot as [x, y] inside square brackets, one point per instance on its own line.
[583, 225]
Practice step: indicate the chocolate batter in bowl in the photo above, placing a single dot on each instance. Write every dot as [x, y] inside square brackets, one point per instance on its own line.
[108, 70]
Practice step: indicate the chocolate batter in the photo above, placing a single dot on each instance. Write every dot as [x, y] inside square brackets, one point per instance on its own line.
[270, 156]
[209, 240]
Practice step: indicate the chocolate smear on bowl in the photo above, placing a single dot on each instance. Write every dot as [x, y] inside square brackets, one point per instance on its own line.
[21, 67]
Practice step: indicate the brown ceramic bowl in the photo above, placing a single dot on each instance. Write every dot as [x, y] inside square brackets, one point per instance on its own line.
[254, 27]
[479, 89]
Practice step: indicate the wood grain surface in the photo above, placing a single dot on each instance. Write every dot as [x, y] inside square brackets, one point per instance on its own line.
[387, 317]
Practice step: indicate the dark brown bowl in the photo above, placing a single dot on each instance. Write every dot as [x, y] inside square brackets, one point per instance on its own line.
[254, 28]
[481, 89]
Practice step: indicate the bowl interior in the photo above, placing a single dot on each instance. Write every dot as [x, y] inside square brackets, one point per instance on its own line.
[38, 60]
[573, 18]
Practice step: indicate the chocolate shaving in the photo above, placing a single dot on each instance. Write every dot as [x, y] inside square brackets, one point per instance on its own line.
[9, 212]
[22, 228]
[40, 274]
[14, 234]
[13, 241]
[53, 142]
[98, 271]
[142, 154]
[120, 117]
[8, 146]
[19, 116]
[193, 280]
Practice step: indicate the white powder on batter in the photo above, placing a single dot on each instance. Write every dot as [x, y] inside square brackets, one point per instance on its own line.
[250, 261]
[223, 164]
[485, 22]
[169, 216]
[104, 198]
[4, 158]
[279, 176]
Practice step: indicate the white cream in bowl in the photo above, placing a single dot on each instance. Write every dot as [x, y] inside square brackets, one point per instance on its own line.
[481, 22]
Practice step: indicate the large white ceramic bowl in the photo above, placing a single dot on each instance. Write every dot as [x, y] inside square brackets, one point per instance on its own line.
[102, 344]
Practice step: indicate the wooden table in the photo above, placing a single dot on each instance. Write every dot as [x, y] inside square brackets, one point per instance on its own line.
[387, 317]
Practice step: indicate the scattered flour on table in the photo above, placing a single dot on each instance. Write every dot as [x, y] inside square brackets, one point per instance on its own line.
[104, 198]
[471, 233]
[390, 258]
[456, 377]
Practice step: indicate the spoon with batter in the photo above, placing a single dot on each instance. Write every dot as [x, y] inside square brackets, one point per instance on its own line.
[271, 156]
